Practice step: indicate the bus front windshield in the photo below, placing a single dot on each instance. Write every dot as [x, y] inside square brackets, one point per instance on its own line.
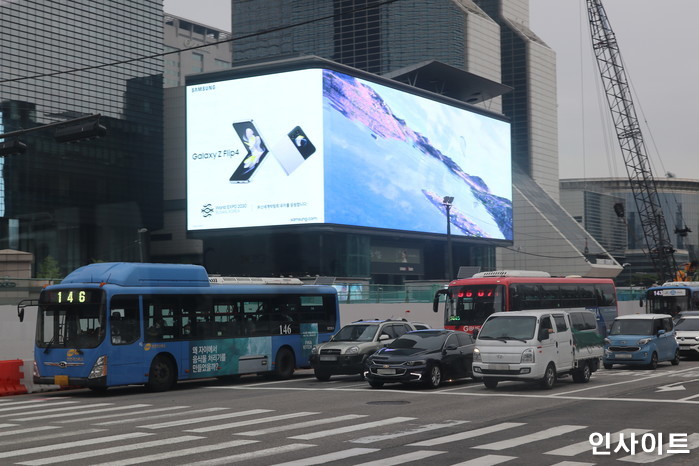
[472, 304]
[66, 324]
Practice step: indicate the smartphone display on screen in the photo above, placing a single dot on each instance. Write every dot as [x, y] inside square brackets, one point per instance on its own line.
[256, 151]
[293, 149]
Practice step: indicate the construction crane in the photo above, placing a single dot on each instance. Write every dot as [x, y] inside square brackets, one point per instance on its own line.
[628, 131]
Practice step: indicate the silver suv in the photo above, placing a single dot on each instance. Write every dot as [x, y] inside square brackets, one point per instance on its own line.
[348, 349]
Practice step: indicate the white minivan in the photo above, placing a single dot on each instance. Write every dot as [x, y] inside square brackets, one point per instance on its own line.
[537, 346]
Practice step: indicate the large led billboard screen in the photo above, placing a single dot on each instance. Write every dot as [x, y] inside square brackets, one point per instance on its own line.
[319, 146]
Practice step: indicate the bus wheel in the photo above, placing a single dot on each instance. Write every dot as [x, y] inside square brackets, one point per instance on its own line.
[582, 374]
[162, 374]
[284, 364]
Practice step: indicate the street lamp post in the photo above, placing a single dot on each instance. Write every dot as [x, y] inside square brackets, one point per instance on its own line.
[447, 202]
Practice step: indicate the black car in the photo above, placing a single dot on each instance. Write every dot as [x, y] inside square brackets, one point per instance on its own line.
[424, 356]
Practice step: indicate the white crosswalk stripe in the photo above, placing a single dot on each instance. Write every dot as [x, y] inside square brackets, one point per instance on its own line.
[354, 428]
[32, 406]
[417, 430]
[253, 455]
[487, 460]
[31, 416]
[466, 435]
[322, 459]
[29, 439]
[180, 452]
[160, 416]
[249, 422]
[5, 433]
[108, 451]
[140, 411]
[197, 420]
[541, 435]
[404, 458]
[83, 411]
[642, 457]
[302, 425]
[582, 447]
[75, 444]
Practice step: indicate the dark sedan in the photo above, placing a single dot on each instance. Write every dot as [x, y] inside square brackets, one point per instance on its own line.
[424, 356]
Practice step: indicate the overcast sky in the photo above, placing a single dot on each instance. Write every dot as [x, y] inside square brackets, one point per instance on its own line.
[658, 41]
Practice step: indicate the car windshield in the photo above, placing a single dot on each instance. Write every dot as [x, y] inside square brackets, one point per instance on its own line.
[508, 327]
[632, 327]
[687, 324]
[356, 332]
[422, 340]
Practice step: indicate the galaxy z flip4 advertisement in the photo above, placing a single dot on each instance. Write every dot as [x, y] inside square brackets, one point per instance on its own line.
[319, 146]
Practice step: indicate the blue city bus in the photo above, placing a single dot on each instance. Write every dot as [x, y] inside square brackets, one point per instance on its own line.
[673, 298]
[109, 324]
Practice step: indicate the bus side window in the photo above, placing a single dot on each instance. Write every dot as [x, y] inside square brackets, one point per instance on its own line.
[124, 318]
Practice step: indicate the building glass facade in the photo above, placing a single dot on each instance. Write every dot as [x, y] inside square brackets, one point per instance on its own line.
[61, 60]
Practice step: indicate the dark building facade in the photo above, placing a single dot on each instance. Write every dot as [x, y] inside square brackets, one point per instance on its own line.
[81, 202]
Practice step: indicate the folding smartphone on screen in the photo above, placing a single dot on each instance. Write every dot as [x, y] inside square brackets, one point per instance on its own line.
[256, 151]
[292, 150]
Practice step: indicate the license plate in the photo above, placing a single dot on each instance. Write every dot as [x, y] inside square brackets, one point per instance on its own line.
[623, 356]
[500, 367]
[386, 371]
[61, 380]
[328, 358]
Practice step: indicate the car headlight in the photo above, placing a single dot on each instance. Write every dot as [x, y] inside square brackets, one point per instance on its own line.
[607, 341]
[643, 341]
[417, 362]
[527, 356]
[476, 355]
[352, 350]
[315, 350]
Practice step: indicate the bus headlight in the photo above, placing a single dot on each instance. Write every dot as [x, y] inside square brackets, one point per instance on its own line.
[99, 369]
[476, 355]
[527, 356]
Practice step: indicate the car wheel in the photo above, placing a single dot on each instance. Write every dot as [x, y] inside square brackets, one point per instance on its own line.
[608, 365]
[162, 374]
[434, 376]
[676, 361]
[375, 384]
[490, 383]
[549, 378]
[653, 364]
[322, 375]
[582, 374]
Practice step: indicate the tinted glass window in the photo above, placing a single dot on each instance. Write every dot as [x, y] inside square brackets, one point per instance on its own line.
[561, 324]
[467, 339]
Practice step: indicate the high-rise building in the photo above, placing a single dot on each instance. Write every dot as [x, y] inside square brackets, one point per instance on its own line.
[92, 200]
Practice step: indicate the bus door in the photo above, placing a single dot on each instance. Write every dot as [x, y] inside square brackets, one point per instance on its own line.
[124, 334]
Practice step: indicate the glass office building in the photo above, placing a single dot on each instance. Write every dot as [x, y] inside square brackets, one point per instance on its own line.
[61, 60]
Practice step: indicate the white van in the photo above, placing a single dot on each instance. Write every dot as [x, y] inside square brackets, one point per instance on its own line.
[537, 346]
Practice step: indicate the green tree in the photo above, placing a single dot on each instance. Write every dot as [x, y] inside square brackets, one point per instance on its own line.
[49, 268]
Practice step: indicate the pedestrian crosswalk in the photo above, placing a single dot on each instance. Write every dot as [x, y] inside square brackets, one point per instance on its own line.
[59, 430]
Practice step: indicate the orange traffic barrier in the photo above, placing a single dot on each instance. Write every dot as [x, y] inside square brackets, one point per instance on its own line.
[10, 376]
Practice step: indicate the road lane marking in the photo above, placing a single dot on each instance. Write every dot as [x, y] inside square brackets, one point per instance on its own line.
[466, 435]
[14, 406]
[52, 436]
[353, 428]
[536, 436]
[80, 411]
[651, 457]
[140, 411]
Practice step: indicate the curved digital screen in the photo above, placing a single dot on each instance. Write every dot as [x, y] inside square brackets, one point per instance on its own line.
[319, 146]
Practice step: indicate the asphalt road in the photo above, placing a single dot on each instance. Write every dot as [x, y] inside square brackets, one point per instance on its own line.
[345, 422]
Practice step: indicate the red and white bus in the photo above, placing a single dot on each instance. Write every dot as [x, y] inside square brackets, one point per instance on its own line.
[466, 303]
